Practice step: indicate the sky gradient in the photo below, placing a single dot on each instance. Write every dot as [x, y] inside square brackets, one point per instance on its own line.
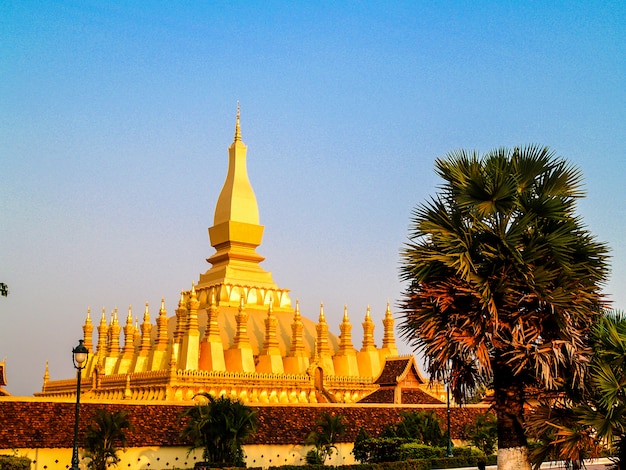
[115, 119]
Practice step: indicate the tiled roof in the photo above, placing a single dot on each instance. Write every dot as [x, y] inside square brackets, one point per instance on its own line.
[3, 377]
[382, 395]
[394, 368]
[418, 397]
[397, 368]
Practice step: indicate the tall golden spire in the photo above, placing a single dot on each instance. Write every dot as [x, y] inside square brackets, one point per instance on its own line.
[237, 201]
[236, 233]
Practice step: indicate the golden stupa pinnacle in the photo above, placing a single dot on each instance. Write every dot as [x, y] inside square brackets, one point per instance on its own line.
[237, 125]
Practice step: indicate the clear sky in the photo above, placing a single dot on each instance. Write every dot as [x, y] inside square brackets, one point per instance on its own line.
[115, 118]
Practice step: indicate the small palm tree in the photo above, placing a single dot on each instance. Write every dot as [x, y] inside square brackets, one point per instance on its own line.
[104, 437]
[556, 426]
[328, 429]
[219, 426]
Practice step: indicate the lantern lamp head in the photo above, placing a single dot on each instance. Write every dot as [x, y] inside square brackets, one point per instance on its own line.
[80, 354]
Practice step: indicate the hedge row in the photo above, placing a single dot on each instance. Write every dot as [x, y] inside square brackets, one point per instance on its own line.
[9, 462]
[412, 464]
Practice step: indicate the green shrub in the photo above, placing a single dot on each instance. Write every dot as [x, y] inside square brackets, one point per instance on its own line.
[12, 462]
[467, 452]
[414, 451]
[422, 426]
[385, 449]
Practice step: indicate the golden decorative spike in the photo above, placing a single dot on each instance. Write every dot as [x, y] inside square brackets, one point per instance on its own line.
[146, 330]
[297, 329]
[88, 331]
[192, 307]
[322, 334]
[212, 331]
[322, 318]
[103, 331]
[129, 334]
[161, 341]
[270, 344]
[345, 340]
[368, 332]
[181, 319]
[114, 334]
[241, 335]
[389, 340]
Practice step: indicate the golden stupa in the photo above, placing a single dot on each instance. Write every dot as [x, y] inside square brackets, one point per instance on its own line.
[235, 332]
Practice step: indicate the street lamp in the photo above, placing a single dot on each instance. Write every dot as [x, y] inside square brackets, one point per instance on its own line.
[449, 450]
[79, 356]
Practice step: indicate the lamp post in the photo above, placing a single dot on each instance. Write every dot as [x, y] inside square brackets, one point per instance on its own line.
[79, 356]
[449, 450]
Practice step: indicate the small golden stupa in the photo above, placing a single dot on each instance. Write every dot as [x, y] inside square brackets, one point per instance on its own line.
[235, 332]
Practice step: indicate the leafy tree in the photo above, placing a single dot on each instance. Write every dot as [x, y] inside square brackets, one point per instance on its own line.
[104, 437]
[421, 426]
[328, 429]
[220, 426]
[483, 433]
[4, 289]
[360, 448]
[503, 281]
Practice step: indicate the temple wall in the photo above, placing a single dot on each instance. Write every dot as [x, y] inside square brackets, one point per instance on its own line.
[43, 430]
[164, 458]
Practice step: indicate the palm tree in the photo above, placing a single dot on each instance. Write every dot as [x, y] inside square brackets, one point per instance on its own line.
[556, 425]
[220, 426]
[104, 437]
[503, 281]
[328, 429]
[573, 426]
[605, 406]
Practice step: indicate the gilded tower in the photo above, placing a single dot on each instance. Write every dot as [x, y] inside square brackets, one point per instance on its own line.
[234, 332]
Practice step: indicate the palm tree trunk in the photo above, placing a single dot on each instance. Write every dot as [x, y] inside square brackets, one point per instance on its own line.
[509, 407]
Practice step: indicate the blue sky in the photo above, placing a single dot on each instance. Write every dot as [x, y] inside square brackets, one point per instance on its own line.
[115, 118]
